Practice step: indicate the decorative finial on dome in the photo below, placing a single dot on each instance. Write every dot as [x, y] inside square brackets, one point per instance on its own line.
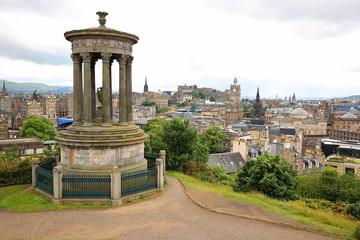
[102, 19]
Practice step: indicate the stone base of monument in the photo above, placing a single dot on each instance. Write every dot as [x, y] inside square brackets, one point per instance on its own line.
[98, 149]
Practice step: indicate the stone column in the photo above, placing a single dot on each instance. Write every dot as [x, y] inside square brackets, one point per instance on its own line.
[122, 91]
[106, 88]
[55, 154]
[87, 109]
[160, 175]
[35, 165]
[162, 155]
[129, 91]
[57, 180]
[116, 186]
[111, 96]
[93, 90]
[78, 92]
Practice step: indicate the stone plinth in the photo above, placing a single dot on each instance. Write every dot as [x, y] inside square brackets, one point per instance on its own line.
[102, 148]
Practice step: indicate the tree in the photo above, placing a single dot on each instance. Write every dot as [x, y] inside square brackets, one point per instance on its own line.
[148, 103]
[183, 144]
[330, 185]
[155, 130]
[39, 127]
[184, 104]
[195, 94]
[178, 138]
[170, 101]
[161, 110]
[271, 175]
[213, 138]
[212, 99]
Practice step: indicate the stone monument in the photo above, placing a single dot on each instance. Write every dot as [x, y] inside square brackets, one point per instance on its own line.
[94, 143]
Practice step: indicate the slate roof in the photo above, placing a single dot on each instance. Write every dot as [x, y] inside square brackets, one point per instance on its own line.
[232, 161]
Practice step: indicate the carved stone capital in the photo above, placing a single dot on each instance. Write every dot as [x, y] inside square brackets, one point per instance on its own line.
[76, 58]
[106, 56]
[122, 59]
[86, 57]
[129, 60]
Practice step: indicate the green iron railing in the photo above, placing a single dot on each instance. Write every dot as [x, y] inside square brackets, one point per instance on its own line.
[86, 186]
[44, 178]
[139, 181]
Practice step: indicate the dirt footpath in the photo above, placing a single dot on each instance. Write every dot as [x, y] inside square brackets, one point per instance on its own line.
[173, 215]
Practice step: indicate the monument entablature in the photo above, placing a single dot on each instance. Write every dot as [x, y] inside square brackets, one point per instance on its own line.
[96, 139]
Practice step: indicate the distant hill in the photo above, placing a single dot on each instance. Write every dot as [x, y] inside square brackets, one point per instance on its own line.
[353, 97]
[16, 87]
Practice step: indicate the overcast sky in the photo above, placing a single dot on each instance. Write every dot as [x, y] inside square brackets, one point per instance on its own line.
[310, 47]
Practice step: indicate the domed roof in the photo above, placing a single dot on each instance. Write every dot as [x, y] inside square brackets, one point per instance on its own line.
[310, 115]
[299, 111]
[349, 115]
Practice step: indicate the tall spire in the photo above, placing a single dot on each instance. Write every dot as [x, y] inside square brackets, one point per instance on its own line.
[4, 88]
[146, 88]
[257, 95]
[235, 80]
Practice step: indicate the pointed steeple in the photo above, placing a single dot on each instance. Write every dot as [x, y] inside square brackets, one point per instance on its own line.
[257, 95]
[4, 88]
[146, 88]
[235, 80]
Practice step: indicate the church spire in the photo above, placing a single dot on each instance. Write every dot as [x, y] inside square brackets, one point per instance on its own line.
[146, 88]
[4, 88]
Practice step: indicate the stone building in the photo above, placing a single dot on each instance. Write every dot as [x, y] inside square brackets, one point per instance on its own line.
[49, 105]
[343, 120]
[301, 119]
[64, 103]
[34, 108]
[160, 99]
[234, 109]
[5, 100]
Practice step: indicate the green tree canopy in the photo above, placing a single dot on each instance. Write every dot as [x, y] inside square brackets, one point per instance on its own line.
[161, 110]
[212, 99]
[330, 185]
[39, 127]
[271, 175]
[178, 138]
[213, 138]
[148, 103]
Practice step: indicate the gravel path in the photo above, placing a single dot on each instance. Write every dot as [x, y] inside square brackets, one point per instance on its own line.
[170, 216]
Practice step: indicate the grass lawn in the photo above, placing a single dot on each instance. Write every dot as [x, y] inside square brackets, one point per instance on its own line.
[14, 198]
[325, 222]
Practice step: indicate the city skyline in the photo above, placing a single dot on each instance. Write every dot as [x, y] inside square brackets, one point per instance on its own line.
[305, 47]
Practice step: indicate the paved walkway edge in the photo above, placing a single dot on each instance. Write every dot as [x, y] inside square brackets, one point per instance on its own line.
[245, 216]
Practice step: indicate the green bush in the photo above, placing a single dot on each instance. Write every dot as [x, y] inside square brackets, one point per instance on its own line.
[330, 185]
[354, 210]
[271, 175]
[17, 172]
[208, 173]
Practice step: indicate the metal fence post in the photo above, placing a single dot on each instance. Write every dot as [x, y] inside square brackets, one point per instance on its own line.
[160, 175]
[57, 180]
[35, 164]
[116, 186]
[163, 157]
